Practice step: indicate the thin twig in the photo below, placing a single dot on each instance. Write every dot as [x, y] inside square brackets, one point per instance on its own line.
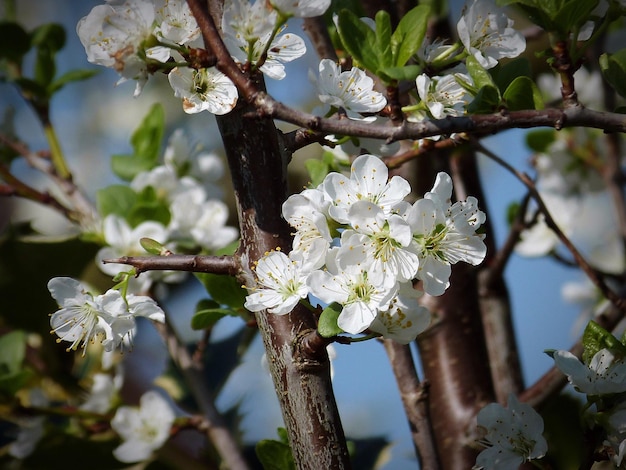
[228, 265]
[593, 274]
[414, 396]
[216, 431]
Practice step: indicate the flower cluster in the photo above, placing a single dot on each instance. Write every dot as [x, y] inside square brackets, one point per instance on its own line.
[487, 34]
[136, 37]
[360, 244]
[513, 435]
[186, 186]
[109, 317]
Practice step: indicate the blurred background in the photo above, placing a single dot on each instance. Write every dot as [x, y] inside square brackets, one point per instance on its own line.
[95, 119]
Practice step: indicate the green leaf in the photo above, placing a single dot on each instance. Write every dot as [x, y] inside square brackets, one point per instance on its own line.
[148, 206]
[480, 76]
[522, 93]
[486, 101]
[408, 72]
[275, 455]
[152, 246]
[409, 35]
[146, 142]
[12, 351]
[208, 313]
[49, 36]
[45, 68]
[116, 199]
[573, 14]
[614, 70]
[327, 325]
[383, 39]
[540, 139]
[503, 75]
[596, 338]
[225, 290]
[69, 77]
[14, 41]
[317, 170]
[359, 40]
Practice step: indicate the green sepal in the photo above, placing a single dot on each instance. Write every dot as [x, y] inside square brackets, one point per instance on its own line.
[14, 41]
[327, 325]
[522, 93]
[409, 35]
[275, 454]
[596, 338]
[146, 143]
[613, 68]
[208, 313]
[359, 40]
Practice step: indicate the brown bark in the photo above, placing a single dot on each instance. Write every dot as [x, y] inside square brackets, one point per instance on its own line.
[257, 161]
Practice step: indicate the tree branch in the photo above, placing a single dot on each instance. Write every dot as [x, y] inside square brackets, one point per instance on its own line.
[229, 265]
[415, 400]
[216, 431]
[593, 275]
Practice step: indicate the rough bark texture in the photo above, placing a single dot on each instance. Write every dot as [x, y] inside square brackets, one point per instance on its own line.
[257, 161]
[453, 353]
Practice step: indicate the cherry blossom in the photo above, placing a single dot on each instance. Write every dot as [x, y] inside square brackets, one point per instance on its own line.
[301, 8]
[513, 435]
[351, 90]
[144, 429]
[203, 90]
[487, 33]
[605, 374]
[281, 283]
[109, 317]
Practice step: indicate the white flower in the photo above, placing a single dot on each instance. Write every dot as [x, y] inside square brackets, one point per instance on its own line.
[281, 283]
[405, 319]
[103, 390]
[144, 429]
[177, 24]
[210, 230]
[361, 297]
[247, 22]
[306, 212]
[109, 317]
[246, 34]
[605, 374]
[445, 233]
[369, 182]
[301, 8]
[203, 90]
[514, 435]
[487, 33]
[443, 96]
[122, 240]
[385, 239]
[114, 35]
[351, 90]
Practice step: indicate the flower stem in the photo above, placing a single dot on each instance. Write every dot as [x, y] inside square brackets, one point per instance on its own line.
[56, 153]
